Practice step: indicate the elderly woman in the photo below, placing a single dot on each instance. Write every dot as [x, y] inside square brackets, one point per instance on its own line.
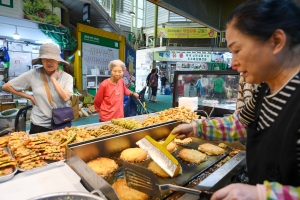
[264, 39]
[60, 85]
[109, 99]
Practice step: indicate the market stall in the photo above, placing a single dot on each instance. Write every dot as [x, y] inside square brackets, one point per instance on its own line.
[119, 135]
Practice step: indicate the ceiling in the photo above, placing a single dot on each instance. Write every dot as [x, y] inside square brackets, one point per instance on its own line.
[98, 16]
[209, 13]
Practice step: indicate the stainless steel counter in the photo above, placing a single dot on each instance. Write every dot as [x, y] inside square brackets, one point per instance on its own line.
[77, 156]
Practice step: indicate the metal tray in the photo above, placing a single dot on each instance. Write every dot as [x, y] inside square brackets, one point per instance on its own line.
[78, 156]
[11, 175]
[50, 164]
[8, 176]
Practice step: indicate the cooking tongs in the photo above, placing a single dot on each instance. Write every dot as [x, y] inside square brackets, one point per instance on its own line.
[144, 180]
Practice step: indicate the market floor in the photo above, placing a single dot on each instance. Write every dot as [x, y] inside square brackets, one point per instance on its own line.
[163, 102]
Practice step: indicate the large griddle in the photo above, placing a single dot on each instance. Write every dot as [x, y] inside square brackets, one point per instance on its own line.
[78, 156]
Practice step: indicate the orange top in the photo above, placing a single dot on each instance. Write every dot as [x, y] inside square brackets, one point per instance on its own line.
[109, 100]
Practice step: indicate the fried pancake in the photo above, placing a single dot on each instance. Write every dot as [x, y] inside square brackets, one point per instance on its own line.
[184, 141]
[211, 149]
[125, 192]
[133, 155]
[156, 169]
[192, 156]
[171, 147]
[4, 141]
[103, 166]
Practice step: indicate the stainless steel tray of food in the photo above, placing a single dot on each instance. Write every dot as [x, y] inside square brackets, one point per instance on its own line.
[8, 176]
[78, 156]
[6, 172]
[34, 152]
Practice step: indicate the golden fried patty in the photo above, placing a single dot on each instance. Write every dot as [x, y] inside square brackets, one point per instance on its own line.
[103, 166]
[156, 169]
[192, 156]
[133, 155]
[183, 141]
[171, 147]
[125, 192]
[211, 149]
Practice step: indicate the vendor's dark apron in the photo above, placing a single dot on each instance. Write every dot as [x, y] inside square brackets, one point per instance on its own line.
[271, 153]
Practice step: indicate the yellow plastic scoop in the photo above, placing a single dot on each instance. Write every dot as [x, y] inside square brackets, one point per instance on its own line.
[159, 153]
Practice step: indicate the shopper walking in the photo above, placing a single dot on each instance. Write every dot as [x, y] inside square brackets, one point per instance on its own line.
[268, 56]
[149, 91]
[153, 82]
[163, 81]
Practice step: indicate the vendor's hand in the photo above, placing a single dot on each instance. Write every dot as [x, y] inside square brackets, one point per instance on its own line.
[55, 74]
[185, 130]
[236, 191]
[32, 99]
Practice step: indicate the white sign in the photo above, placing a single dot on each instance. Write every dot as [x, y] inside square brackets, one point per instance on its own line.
[97, 57]
[183, 56]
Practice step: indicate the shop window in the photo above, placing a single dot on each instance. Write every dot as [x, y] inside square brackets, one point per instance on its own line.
[119, 4]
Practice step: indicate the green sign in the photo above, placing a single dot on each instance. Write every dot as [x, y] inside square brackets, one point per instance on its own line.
[93, 39]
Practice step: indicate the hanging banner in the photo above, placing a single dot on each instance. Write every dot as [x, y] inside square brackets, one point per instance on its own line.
[186, 33]
[182, 56]
[130, 74]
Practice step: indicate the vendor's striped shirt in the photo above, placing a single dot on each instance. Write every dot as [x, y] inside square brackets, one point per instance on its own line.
[271, 106]
[233, 127]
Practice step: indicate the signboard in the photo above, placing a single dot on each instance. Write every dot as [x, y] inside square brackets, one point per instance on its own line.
[182, 56]
[86, 12]
[186, 33]
[97, 52]
[130, 62]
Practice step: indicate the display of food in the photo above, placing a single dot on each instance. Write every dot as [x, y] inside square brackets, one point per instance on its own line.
[133, 155]
[171, 147]
[156, 169]
[183, 141]
[127, 123]
[4, 141]
[103, 166]
[182, 114]
[192, 156]
[7, 163]
[37, 151]
[127, 193]
[152, 120]
[211, 149]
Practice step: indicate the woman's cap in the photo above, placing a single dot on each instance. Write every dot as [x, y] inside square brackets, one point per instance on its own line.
[49, 51]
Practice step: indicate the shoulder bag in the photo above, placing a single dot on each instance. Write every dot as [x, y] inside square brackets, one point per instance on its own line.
[61, 117]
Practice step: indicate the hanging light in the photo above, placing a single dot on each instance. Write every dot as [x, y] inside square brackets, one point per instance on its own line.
[16, 36]
[132, 13]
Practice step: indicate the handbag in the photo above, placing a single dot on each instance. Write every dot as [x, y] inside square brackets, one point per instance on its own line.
[61, 117]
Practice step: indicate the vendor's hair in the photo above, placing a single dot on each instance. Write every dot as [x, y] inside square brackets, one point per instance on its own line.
[261, 18]
[115, 63]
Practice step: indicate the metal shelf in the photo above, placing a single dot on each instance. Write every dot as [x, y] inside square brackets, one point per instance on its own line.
[98, 75]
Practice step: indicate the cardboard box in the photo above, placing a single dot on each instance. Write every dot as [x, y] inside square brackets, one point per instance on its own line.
[75, 106]
[86, 97]
[7, 105]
